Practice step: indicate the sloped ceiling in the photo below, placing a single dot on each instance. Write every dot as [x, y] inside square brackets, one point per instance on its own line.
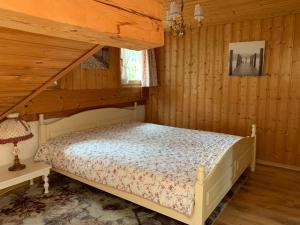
[28, 61]
[224, 11]
[60, 39]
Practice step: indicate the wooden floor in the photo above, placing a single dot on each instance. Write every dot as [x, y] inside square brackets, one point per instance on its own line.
[271, 196]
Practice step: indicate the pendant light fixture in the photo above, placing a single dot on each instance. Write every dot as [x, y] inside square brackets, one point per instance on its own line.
[175, 21]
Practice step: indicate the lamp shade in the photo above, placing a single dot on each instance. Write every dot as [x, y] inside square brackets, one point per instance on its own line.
[198, 14]
[198, 10]
[13, 130]
[168, 18]
[173, 10]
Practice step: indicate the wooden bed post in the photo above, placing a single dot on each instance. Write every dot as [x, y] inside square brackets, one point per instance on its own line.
[135, 111]
[41, 129]
[253, 134]
[198, 214]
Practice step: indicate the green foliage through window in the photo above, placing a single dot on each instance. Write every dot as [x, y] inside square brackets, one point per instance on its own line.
[131, 65]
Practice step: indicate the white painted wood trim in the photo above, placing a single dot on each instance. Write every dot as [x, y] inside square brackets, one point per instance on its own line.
[32, 170]
[127, 196]
[253, 134]
[86, 120]
[46, 183]
[209, 190]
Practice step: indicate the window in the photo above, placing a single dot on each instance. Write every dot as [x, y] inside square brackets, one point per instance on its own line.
[132, 66]
[138, 67]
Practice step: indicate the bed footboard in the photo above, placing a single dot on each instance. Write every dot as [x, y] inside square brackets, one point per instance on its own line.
[211, 190]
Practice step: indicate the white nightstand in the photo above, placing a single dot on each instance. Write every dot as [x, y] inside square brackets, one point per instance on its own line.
[32, 170]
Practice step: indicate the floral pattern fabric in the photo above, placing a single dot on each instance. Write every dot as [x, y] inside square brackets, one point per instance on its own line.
[156, 162]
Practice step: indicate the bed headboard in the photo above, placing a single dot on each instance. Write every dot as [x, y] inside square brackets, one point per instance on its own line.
[86, 120]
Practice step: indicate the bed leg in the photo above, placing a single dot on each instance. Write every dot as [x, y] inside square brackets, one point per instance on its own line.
[42, 131]
[253, 163]
[200, 223]
[198, 215]
[46, 183]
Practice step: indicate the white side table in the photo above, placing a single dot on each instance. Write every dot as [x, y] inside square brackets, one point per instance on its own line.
[32, 170]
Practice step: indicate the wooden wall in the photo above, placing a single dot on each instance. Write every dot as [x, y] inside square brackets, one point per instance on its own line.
[28, 61]
[196, 92]
[83, 79]
[62, 103]
[83, 89]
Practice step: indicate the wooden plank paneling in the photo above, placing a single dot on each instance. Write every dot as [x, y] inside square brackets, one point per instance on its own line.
[225, 89]
[166, 80]
[221, 12]
[46, 41]
[180, 83]
[193, 79]
[84, 79]
[294, 107]
[201, 80]
[83, 89]
[187, 78]
[231, 104]
[172, 80]
[60, 101]
[44, 85]
[29, 62]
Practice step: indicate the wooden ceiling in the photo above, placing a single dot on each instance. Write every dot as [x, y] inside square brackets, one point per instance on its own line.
[224, 11]
[136, 24]
[29, 61]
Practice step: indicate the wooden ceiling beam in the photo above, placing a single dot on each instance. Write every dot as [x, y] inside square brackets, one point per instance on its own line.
[144, 7]
[135, 24]
[51, 80]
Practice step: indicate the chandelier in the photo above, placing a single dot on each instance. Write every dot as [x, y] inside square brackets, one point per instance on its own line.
[175, 21]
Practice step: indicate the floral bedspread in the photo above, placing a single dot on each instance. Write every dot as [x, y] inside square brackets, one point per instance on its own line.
[158, 163]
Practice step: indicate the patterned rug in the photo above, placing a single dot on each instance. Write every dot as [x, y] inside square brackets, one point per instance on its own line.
[71, 202]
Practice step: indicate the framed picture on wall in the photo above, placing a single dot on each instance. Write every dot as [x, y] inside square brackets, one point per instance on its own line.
[100, 60]
[246, 58]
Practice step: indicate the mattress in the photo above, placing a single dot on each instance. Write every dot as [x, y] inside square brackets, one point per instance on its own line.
[155, 162]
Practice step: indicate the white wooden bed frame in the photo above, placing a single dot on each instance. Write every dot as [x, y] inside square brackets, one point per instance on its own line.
[209, 190]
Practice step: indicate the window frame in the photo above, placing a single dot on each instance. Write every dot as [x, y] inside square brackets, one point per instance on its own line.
[129, 83]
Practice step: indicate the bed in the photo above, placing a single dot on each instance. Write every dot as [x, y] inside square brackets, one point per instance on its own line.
[177, 172]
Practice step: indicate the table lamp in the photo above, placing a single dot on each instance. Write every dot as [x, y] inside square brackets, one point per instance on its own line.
[14, 130]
